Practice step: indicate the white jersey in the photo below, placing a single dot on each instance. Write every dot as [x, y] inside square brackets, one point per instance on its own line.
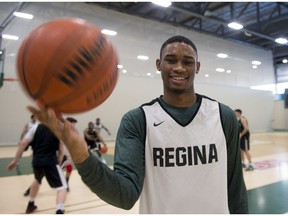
[185, 165]
[98, 127]
[31, 131]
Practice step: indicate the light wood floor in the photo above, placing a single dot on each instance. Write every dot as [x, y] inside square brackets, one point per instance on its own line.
[269, 153]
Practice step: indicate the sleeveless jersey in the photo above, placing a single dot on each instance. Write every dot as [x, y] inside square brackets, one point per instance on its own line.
[91, 143]
[98, 127]
[185, 165]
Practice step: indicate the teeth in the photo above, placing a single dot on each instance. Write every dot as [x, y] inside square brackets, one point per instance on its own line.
[179, 78]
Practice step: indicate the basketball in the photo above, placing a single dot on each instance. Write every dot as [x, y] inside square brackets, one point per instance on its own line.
[104, 149]
[68, 64]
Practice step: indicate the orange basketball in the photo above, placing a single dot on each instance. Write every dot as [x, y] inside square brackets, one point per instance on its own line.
[104, 149]
[68, 64]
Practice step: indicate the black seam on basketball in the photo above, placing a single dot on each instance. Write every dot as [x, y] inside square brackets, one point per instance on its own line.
[76, 36]
[111, 54]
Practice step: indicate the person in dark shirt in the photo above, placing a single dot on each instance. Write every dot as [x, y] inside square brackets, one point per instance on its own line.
[45, 162]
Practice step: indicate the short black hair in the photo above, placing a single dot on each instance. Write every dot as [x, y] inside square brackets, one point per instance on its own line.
[238, 110]
[178, 38]
[72, 120]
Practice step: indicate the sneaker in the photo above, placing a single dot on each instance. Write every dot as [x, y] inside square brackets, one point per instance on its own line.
[250, 168]
[59, 211]
[31, 207]
[26, 193]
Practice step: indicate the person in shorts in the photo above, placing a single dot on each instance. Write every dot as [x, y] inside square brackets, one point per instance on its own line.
[244, 140]
[47, 151]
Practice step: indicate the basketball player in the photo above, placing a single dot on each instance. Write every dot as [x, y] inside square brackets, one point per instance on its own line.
[244, 140]
[45, 163]
[178, 153]
[98, 126]
[93, 139]
[66, 162]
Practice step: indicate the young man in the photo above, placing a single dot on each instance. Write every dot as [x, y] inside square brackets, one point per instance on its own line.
[244, 140]
[179, 153]
[99, 126]
[93, 140]
[45, 146]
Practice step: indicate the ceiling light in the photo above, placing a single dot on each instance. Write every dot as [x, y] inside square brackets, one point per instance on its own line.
[222, 55]
[228, 71]
[142, 57]
[109, 32]
[124, 71]
[256, 62]
[119, 66]
[234, 25]
[148, 74]
[11, 37]
[281, 40]
[162, 3]
[220, 70]
[158, 72]
[1, 52]
[254, 66]
[285, 61]
[206, 75]
[23, 15]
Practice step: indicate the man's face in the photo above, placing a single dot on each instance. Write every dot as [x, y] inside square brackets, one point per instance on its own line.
[238, 114]
[178, 66]
[91, 126]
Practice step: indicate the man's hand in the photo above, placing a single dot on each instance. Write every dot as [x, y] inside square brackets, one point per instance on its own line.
[12, 165]
[63, 129]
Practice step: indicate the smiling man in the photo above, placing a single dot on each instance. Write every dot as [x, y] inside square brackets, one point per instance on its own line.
[179, 153]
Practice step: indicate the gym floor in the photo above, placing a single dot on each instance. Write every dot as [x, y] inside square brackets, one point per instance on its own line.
[267, 185]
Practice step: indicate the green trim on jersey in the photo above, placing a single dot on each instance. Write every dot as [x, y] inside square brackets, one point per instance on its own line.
[122, 186]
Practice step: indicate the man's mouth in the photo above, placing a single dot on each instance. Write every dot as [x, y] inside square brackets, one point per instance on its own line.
[178, 77]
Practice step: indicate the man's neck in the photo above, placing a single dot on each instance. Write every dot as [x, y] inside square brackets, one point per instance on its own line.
[180, 100]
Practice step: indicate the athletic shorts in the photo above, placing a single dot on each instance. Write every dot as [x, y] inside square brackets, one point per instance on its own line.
[53, 174]
[245, 143]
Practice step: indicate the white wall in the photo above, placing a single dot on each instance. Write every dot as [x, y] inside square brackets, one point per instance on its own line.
[280, 119]
[129, 93]
[135, 36]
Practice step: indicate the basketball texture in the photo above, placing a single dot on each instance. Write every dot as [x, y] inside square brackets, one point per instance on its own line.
[68, 64]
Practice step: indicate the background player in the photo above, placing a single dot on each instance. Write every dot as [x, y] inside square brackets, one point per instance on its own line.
[45, 146]
[244, 140]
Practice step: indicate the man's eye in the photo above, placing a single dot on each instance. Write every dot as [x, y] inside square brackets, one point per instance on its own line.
[171, 61]
[188, 62]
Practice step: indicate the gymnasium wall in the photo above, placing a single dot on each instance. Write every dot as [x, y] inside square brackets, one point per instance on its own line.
[129, 93]
[135, 87]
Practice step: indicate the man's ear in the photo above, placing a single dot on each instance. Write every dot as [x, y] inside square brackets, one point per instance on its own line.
[158, 62]
[198, 67]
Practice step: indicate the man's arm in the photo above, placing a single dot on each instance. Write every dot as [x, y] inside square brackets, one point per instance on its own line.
[23, 144]
[24, 131]
[106, 129]
[237, 193]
